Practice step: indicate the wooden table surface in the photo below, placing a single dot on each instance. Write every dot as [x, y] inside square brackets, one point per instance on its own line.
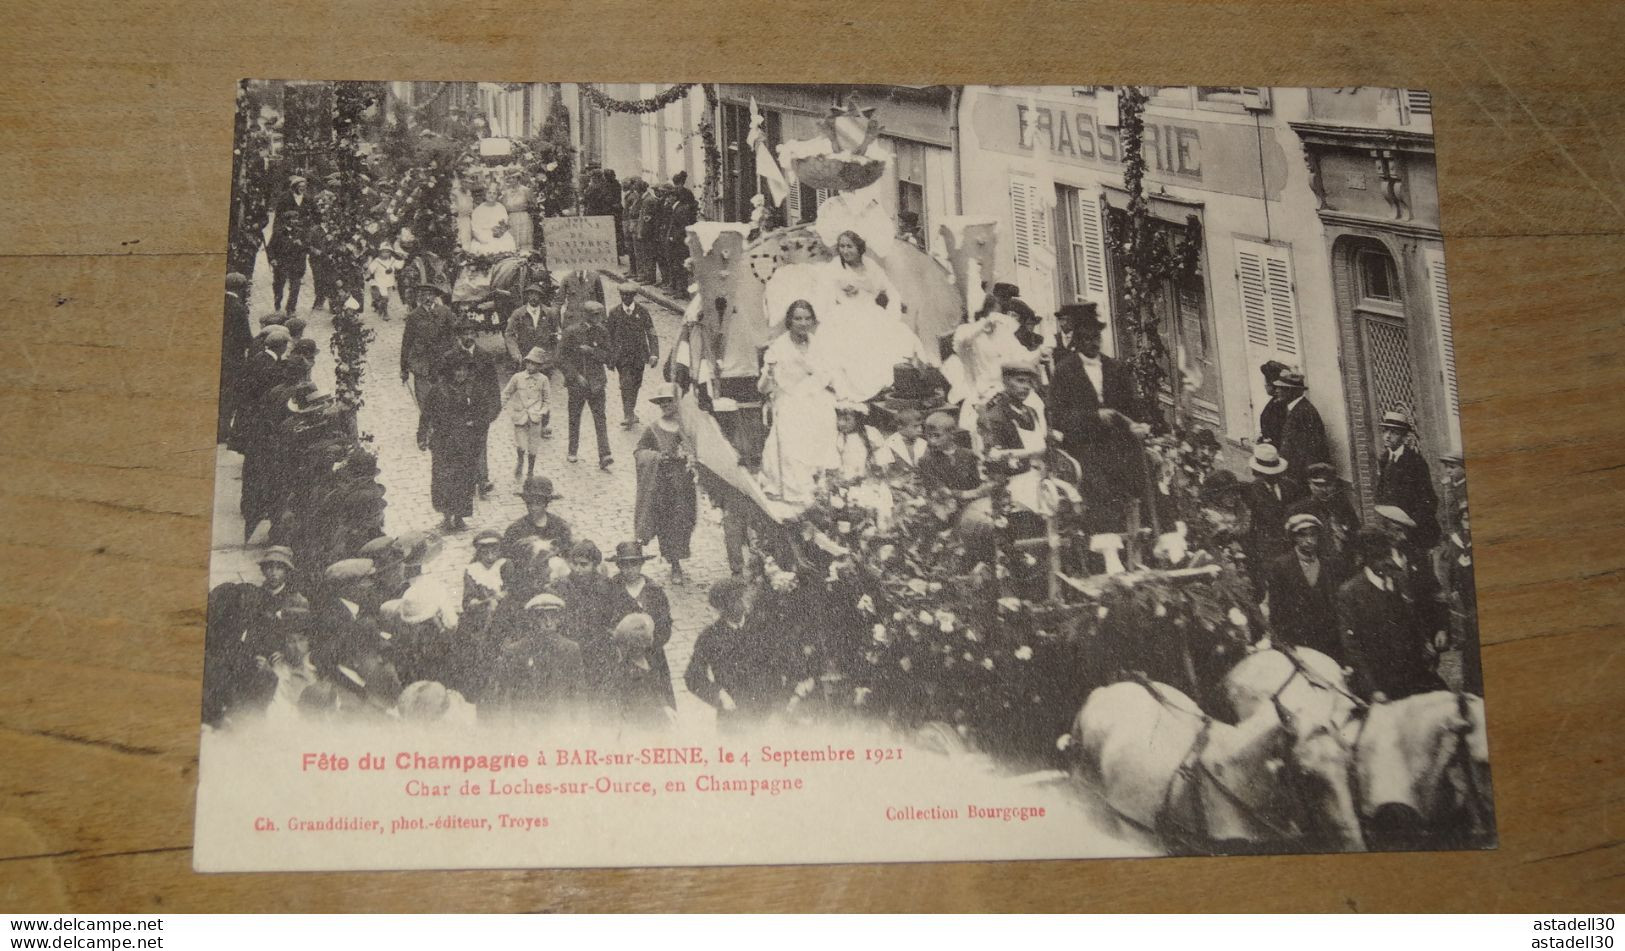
[116, 126]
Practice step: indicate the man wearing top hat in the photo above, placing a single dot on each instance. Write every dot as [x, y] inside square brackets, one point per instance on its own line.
[633, 347]
[1403, 480]
[538, 522]
[1302, 586]
[1087, 388]
[1303, 435]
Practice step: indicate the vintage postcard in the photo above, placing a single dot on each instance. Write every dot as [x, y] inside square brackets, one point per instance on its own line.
[696, 473]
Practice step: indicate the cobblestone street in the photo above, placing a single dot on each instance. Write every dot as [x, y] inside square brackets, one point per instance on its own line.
[597, 504]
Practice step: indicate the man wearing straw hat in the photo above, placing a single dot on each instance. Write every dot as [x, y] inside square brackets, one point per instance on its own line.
[1269, 497]
[1302, 586]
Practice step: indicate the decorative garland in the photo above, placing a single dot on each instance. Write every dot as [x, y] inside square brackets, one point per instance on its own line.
[635, 106]
[1150, 259]
[712, 193]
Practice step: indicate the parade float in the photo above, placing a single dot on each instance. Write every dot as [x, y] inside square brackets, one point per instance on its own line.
[910, 605]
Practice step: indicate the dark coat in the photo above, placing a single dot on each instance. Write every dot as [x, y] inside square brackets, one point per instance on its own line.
[485, 376]
[1303, 438]
[1407, 484]
[1338, 521]
[425, 339]
[1110, 475]
[1001, 422]
[290, 232]
[1382, 641]
[522, 334]
[1270, 421]
[1269, 538]
[557, 532]
[454, 422]
[583, 352]
[652, 601]
[650, 216]
[236, 336]
[957, 472]
[749, 663]
[1302, 614]
[632, 339]
[543, 674]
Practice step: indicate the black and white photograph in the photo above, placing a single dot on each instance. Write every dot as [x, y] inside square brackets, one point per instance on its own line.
[634, 474]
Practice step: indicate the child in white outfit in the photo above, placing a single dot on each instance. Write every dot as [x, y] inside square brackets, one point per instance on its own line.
[381, 279]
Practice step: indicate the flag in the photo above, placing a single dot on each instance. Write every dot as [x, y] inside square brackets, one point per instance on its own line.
[766, 165]
[716, 455]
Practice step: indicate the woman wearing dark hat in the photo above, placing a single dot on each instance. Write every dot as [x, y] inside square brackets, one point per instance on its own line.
[666, 506]
[452, 430]
[637, 595]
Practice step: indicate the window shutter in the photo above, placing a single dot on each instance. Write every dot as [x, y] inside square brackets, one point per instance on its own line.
[1092, 279]
[1255, 97]
[1021, 221]
[792, 201]
[820, 195]
[1439, 290]
[1269, 306]
[1418, 102]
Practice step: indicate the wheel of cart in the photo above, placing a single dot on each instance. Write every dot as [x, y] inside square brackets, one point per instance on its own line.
[486, 292]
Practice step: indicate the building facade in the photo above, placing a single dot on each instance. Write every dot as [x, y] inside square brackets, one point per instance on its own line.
[1317, 216]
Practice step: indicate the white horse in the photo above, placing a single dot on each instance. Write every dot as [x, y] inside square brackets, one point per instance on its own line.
[1309, 685]
[1421, 772]
[1207, 786]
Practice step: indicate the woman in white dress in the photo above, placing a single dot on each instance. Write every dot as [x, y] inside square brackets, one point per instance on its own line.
[799, 382]
[488, 224]
[862, 325]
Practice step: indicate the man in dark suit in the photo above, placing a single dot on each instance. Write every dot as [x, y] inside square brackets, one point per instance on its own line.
[1303, 436]
[1269, 497]
[633, 347]
[426, 338]
[1328, 501]
[1302, 586]
[683, 211]
[236, 336]
[531, 325]
[488, 382]
[583, 357]
[646, 243]
[1403, 480]
[1383, 642]
[1271, 417]
[1087, 388]
[295, 215]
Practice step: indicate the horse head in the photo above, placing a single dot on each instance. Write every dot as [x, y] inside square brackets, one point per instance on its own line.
[1422, 765]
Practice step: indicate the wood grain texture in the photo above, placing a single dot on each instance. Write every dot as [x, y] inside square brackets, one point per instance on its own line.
[116, 129]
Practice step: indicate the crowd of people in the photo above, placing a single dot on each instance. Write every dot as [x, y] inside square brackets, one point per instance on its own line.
[545, 628]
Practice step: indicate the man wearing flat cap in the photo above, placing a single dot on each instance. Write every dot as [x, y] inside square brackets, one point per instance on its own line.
[537, 671]
[426, 337]
[583, 357]
[295, 214]
[1303, 435]
[633, 346]
[1403, 480]
[1302, 587]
